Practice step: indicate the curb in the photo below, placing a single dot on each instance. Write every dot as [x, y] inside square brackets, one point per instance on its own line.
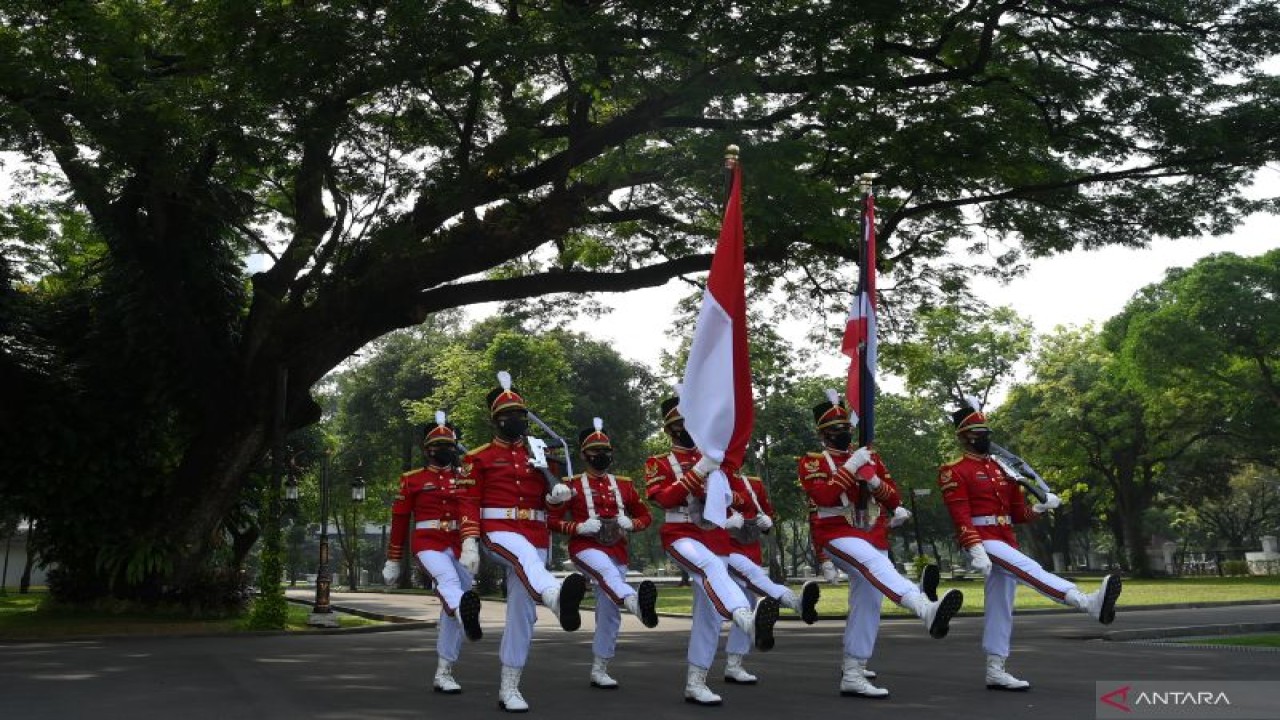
[399, 622]
[1190, 631]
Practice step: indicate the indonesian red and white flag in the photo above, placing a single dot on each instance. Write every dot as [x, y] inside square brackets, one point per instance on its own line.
[860, 332]
[715, 396]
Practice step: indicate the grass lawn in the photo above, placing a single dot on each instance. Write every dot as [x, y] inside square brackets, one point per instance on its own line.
[1136, 593]
[1266, 641]
[23, 618]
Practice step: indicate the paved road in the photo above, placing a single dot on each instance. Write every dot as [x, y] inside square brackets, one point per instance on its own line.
[387, 674]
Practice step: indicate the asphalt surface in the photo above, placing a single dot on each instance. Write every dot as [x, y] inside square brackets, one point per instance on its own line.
[388, 674]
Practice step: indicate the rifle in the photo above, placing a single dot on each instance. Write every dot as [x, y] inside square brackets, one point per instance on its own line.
[1019, 470]
[538, 451]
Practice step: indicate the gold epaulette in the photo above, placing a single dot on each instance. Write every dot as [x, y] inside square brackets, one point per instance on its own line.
[622, 478]
[813, 454]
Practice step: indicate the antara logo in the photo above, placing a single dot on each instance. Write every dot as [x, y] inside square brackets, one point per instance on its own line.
[1118, 698]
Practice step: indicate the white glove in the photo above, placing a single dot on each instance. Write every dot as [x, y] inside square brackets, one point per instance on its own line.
[590, 526]
[900, 515]
[559, 494]
[391, 572]
[470, 558]
[764, 522]
[705, 466]
[860, 457]
[829, 571]
[625, 523]
[979, 560]
[1051, 502]
[735, 520]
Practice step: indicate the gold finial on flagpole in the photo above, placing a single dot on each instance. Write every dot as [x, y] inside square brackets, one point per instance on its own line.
[866, 180]
[731, 155]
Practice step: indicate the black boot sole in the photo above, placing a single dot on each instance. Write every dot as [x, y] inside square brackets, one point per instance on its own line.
[504, 708]
[647, 594]
[809, 602]
[442, 691]
[691, 701]
[571, 592]
[732, 681]
[851, 693]
[765, 617]
[941, 624]
[1002, 688]
[1108, 613]
[469, 613]
[929, 579]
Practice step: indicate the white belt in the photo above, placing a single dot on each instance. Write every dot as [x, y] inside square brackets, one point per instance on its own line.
[436, 525]
[987, 520]
[678, 516]
[830, 512]
[513, 514]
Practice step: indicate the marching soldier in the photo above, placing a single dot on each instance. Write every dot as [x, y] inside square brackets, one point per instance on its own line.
[514, 498]
[604, 508]
[754, 517]
[865, 599]
[985, 502]
[445, 528]
[848, 489]
[676, 482]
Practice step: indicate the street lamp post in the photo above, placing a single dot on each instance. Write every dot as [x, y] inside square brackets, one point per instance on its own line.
[321, 612]
[357, 496]
[920, 492]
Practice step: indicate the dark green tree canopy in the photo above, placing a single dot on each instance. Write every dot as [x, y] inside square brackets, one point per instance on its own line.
[399, 158]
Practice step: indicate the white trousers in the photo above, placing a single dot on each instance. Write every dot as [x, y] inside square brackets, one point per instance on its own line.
[858, 557]
[863, 623]
[451, 580]
[1008, 568]
[527, 578]
[754, 582]
[608, 584]
[715, 597]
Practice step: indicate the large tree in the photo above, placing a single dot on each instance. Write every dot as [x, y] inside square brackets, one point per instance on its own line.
[395, 159]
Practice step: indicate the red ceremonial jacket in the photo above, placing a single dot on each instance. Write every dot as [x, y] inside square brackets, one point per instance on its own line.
[743, 503]
[974, 486]
[498, 475]
[430, 494]
[606, 506]
[841, 491]
[672, 490]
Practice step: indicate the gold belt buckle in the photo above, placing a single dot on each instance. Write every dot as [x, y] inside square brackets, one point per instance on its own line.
[1002, 520]
[523, 514]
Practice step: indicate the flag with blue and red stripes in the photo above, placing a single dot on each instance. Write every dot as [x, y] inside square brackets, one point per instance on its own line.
[860, 331]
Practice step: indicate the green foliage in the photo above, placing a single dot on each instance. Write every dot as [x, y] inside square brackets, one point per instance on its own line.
[1235, 568]
[490, 153]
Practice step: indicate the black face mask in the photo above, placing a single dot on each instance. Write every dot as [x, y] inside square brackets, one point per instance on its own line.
[683, 438]
[840, 440]
[981, 444]
[600, 462]
[443, 456]
[513, 427]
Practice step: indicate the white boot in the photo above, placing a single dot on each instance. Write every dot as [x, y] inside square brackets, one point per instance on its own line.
[443, 681]
[600, 674]
[1101, 603]
[936, 615]
[644, 603]
[696, 690]
[758, 624]
[735, 673]
[563, 600]
[854, 682]
[509, 697]
[998, 679]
